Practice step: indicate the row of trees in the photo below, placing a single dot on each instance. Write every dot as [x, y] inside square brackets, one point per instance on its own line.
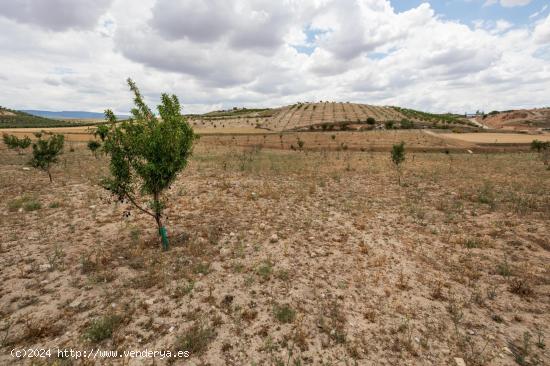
[45, 151]
[147, 152]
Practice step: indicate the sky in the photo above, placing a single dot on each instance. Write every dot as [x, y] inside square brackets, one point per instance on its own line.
[438, 56]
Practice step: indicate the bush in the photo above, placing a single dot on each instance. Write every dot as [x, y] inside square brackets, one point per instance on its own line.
[147, 153]
[94, 146]
[15, 143]
[196, 339]
[398, 157]
[284, 313]
[540, 145]
[102, 328]
[407, 124]
[45, 152]
[371, 121]
[543, 148]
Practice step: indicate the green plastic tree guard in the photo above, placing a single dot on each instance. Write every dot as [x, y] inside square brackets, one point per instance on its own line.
[164, 236]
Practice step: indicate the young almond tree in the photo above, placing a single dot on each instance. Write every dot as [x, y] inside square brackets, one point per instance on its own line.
[543, 148]
[94, 146]
[398, 157]
[15, 143]
[147, 153]
[45, 151]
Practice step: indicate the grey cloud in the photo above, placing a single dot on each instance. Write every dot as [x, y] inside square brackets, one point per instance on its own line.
[211, 66]
[56, 15]
[202, 21]
[257, 24]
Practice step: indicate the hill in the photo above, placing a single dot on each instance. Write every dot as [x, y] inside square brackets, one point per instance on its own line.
[10, 118]
[65, 115]
[522, 119]
[14, 119]
[325, 116]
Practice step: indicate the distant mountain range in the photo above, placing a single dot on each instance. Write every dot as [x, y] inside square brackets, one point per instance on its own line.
[68, 114]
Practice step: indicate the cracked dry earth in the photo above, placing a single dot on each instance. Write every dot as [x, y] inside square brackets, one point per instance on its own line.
[283, 258]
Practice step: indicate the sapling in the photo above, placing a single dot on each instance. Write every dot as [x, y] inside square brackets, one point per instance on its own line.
[543, 148]
[398, 157]
[94, 146]
[15, 143]
[147, 153]
[45, 151]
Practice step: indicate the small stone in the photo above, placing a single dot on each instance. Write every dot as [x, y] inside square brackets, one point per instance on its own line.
[43, 267]
[26, 169]
[231, 234]
[274, 238]
[171, 329]
[225, 252]
[471, 332]
[75, 303]
[459, 361]
[150, 301]
[506, 350]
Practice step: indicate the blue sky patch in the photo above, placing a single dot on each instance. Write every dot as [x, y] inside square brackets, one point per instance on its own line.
[311, 44]
[469, 11]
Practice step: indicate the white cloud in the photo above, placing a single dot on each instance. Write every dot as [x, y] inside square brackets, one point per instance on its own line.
[512, 3]
[217, 54]
[542, 31]
[507, 3]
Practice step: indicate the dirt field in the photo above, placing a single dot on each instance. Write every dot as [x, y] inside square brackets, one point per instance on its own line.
[497, 138]
[284, 258]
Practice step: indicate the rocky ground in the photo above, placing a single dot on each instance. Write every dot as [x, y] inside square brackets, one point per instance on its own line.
[283, 258]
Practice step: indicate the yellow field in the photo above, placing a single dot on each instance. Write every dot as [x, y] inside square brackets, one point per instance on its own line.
[496, 138]
[84, 133]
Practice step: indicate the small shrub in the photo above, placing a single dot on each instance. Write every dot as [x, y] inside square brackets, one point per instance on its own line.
[26, 203]
[472, 243]
[265, 270]
[521, 287]
[504, 269]
[102, 328]
[32, 205]
[15, 143]
[202, 268]
[398, 157]
[284, 313]
[94, 146]
[196, 339]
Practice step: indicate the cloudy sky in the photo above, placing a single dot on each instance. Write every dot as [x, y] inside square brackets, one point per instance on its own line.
[439, 55]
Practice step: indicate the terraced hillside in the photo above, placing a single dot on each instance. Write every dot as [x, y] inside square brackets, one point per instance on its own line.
[322, 116]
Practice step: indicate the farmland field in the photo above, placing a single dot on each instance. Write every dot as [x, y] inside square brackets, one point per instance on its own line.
[319, 257]
[498, 138]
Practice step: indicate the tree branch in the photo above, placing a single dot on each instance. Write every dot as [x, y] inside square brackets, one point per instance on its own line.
[133, 201]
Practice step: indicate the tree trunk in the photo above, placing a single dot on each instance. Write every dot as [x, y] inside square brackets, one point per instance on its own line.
[161, 229]
[49, 175]
[157, 210]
